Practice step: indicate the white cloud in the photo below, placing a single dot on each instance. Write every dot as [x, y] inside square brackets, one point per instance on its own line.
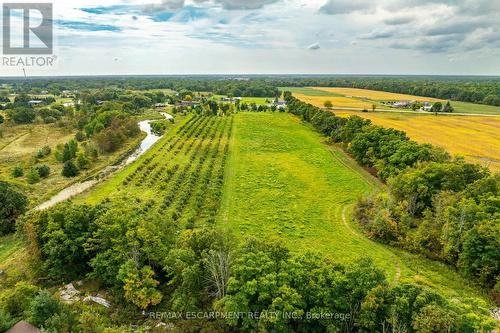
[273, 36]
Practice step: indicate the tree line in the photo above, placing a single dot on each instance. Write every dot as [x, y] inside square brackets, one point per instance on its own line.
[241, 88]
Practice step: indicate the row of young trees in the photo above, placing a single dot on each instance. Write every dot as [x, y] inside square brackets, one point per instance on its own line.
[436, 205]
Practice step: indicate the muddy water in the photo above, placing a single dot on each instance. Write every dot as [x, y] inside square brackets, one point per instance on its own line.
[78, 188]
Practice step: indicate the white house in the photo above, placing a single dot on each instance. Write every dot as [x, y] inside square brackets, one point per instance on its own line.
[427, 106]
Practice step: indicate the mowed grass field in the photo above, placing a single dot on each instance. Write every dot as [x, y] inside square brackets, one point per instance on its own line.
[475, 138]
[283, 183]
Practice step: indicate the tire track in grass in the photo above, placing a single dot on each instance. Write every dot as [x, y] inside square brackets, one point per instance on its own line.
[397, 263]
[20, 136]
[373, 183]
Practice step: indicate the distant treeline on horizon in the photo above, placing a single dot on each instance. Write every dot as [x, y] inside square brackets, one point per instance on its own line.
[473, 89]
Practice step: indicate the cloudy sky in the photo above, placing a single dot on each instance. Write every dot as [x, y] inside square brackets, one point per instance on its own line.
[274, 36]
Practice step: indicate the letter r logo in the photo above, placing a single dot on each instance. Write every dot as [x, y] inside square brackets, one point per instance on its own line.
[42, 30]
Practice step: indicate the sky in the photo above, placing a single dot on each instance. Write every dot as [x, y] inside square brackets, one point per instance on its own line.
[113, 37]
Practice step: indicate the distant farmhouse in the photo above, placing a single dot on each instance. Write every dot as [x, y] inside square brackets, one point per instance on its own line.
[231, 100]
[427, 106]
[188, 103]
[402, 104]
[35, 102]
[279, 105]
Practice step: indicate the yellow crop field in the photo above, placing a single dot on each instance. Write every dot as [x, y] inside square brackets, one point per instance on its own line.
[375, 95]
[340, 102]
[475, 138]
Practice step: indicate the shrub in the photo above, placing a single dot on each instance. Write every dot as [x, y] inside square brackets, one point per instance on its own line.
[45, 151]
[6, 321]
[18, 171]
[22, 115]
[42, 307]
[12, 204]
[43, 170]
[82, 161]
[69, 169]
[33, 176]
[80, 136]
[18, 300]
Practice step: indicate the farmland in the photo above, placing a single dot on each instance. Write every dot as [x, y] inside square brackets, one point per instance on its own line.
[179, 176]
[340, 102]
[374, 95]
[233, 204]
[364, 99]
[475, 138]
[283, 183]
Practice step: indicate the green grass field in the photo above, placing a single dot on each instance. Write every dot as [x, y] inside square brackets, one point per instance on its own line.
[283, 183]
[463, 107]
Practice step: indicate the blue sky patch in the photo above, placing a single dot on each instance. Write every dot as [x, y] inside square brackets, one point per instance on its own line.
[116, 10]
[85, 26]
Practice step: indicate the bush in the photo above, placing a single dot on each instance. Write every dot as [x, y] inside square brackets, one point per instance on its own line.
[42, 307]
[82, 161]
[6, 321]
[33, 176]
[43, 170]
[17, 301]
[45, 151]
[22, 115]
[80, 136]
[12, 204]
[18, 171]
[69, 169]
